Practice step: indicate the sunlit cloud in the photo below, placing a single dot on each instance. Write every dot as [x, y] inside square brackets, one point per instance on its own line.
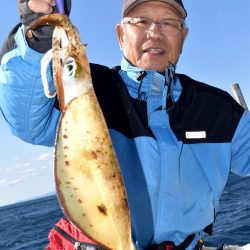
[24, 175]
[21, 165]
[5, 183]
[29, 170]
[21, 168]
[8, 170]
[14, 182]
[16, 158]
[10, 180]
[27, 175]
[5, 170]
[2, 182]
[44, 167]
[44, 156]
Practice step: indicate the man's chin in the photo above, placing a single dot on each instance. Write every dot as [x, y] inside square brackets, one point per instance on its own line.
[155, 63]
[155, 66]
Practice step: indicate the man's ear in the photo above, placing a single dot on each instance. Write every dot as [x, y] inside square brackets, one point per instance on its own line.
[120, 34]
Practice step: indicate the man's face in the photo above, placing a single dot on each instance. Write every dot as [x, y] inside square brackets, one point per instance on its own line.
[151, 48]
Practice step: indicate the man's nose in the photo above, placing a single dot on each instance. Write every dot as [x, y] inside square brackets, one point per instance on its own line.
[155, 30]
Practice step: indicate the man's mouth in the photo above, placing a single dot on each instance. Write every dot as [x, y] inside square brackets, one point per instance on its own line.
[154, 51]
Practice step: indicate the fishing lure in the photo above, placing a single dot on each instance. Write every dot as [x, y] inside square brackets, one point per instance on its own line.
[60, 6]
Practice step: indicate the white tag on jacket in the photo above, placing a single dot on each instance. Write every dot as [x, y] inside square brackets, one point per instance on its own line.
[196, 134]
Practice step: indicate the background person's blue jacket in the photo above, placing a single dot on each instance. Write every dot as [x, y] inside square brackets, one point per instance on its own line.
[174, 163]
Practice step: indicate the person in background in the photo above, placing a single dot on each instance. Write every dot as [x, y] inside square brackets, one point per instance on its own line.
[176, 138]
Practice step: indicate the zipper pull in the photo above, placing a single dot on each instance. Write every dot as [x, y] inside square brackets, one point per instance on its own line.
[77, 246]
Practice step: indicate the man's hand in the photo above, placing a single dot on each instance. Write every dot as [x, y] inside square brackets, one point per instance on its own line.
[41, 6]
[30, 10]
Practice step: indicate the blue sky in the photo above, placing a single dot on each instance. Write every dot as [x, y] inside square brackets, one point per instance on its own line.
[217, 51]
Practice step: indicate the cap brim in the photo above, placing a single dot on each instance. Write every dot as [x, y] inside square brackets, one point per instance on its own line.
[178, 7]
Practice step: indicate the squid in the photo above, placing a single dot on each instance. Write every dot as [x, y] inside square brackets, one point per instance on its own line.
[87, 175]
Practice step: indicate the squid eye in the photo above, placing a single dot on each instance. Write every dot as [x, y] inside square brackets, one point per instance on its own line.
[71, 69]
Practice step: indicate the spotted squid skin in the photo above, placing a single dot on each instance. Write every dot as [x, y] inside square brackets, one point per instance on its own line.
[81, 184]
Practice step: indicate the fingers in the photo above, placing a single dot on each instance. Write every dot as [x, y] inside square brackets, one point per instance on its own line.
[41, 6]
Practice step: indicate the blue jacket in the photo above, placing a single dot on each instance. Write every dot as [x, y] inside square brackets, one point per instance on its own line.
[175, 153]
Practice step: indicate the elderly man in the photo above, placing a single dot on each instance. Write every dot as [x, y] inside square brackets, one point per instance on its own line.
[176, 139]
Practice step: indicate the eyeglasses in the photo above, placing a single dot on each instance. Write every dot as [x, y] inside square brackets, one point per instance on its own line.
[167, 26]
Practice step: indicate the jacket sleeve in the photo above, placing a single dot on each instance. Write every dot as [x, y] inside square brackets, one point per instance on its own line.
[240, 164]
[30, 115]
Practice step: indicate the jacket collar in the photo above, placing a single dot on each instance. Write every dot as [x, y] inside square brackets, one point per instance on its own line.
[144, 83]
[135, 72]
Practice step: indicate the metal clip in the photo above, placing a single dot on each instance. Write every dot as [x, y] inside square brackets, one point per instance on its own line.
[77, 246]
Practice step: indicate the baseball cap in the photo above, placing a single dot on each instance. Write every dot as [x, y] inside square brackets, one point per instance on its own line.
[128, 5]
